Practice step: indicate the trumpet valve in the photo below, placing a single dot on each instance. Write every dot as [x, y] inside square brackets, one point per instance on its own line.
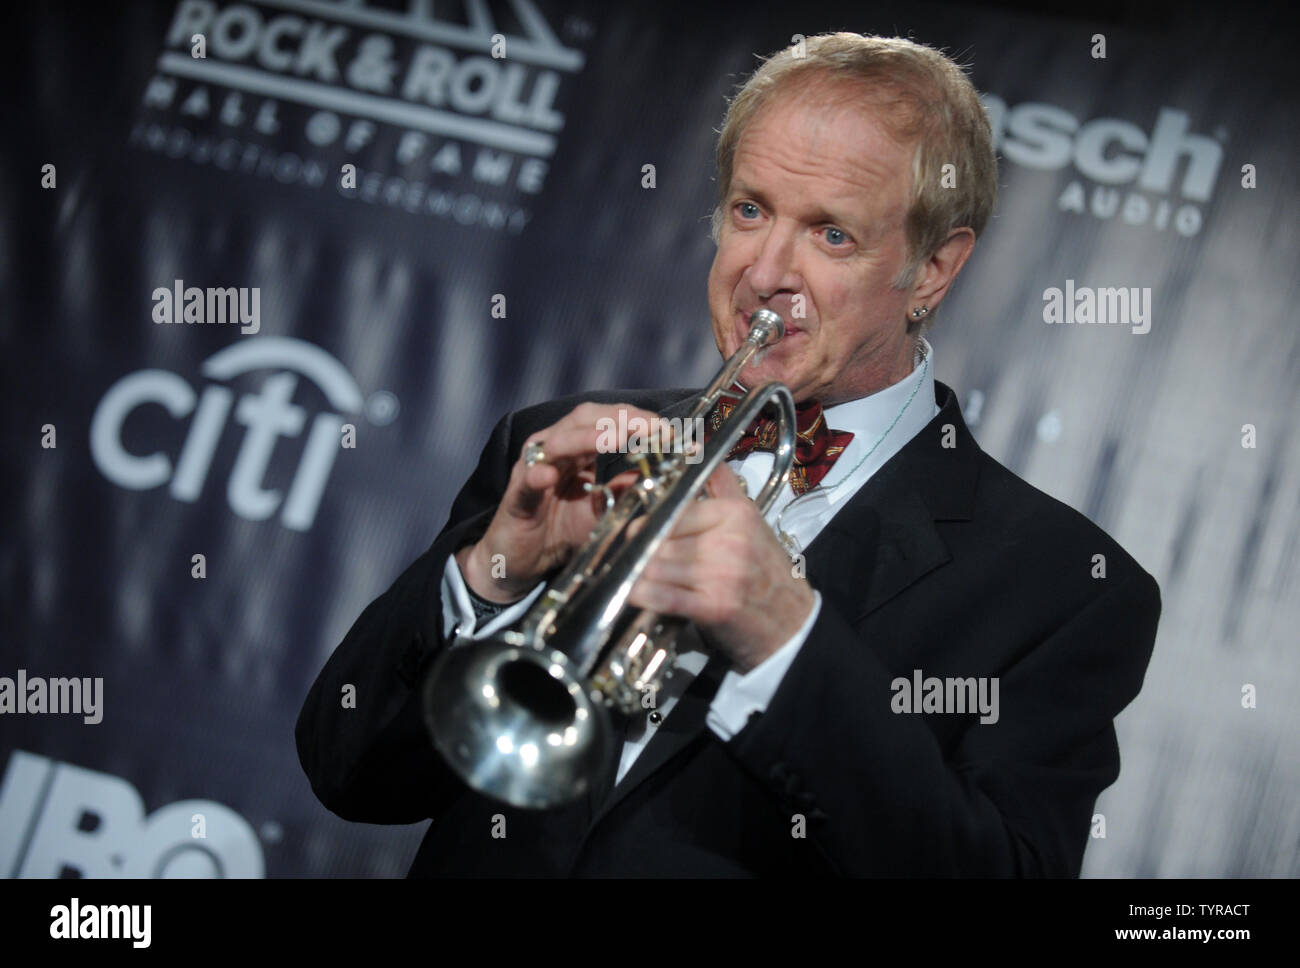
[637, 666]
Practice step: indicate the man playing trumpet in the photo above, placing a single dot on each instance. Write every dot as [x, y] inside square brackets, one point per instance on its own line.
[853, 184]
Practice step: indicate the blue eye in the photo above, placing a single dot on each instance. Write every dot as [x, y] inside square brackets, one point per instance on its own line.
[835, 236]
[748, 210]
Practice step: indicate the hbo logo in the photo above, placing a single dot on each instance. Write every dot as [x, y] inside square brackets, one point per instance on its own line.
[61, 820]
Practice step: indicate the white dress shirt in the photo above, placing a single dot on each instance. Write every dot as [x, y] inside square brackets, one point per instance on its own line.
[881, 424]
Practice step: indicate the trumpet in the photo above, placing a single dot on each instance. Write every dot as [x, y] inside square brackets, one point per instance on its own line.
[523, 716]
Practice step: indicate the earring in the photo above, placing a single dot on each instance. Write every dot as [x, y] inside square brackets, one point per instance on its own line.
[918, 313]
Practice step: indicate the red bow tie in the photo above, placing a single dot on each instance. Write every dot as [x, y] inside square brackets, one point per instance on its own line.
[816, 448]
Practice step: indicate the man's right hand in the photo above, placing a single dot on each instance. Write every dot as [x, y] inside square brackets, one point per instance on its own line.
[546, 513]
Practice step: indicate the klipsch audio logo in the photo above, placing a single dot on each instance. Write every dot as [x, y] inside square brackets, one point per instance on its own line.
[1128, 174]
[431, 114]
[266, 416]
[60, 820]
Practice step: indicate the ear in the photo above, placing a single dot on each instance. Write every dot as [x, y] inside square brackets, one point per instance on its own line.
[937, 273]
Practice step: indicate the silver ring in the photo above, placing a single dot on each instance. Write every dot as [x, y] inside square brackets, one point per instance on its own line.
[534, 453]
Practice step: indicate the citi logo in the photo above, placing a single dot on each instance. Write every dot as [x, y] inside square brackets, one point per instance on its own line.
[1112, 151]
[60, 820]
[266, 416]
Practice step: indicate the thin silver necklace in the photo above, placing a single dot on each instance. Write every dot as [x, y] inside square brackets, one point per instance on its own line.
[792, 546]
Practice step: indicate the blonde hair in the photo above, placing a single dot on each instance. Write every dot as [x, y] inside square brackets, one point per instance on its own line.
[924, 98]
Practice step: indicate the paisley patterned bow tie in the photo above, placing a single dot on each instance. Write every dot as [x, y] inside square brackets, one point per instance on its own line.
[817, 447]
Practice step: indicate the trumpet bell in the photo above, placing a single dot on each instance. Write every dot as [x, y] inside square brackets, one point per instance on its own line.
[516, 723]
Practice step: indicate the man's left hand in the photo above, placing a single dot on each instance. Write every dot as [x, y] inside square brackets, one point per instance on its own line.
[723, 568]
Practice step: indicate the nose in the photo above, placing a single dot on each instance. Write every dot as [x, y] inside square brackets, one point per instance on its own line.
[773, 269]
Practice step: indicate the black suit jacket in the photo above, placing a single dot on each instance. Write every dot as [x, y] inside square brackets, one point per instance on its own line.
[944, 561]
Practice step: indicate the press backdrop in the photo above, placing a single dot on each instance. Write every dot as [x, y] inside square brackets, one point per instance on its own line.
[518, 184]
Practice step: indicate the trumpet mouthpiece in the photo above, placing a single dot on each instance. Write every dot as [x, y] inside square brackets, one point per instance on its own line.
[766, 327]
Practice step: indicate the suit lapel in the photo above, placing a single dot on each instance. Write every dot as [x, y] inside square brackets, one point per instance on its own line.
[883, 540]
[865, 555]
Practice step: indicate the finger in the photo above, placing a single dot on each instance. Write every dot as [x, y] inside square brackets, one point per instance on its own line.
[539, 478]
[622, 481]
[558, 453]
[589, 414]
[668, 599]
[592, 429]
[687, 570]
[725, 483]
[679, 550]
[562, 447]
[531, 487]
[703, 517]
[572, 448]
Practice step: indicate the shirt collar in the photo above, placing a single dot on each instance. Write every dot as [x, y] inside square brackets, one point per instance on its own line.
[884, 414]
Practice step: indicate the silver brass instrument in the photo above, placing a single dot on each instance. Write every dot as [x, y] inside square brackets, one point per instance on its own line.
[521, 716]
